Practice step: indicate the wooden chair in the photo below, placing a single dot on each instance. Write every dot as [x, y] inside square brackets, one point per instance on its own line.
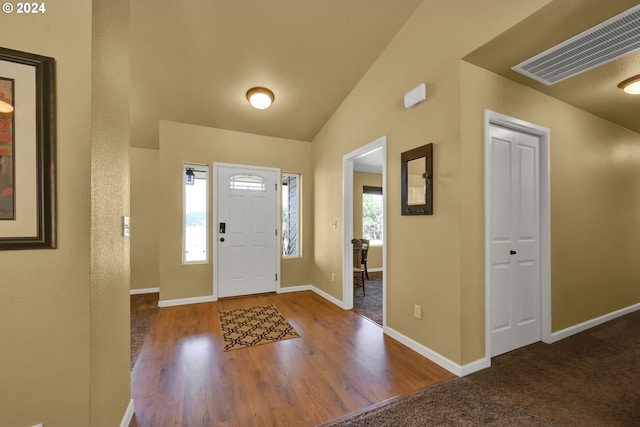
[365, 251]
[358, 272]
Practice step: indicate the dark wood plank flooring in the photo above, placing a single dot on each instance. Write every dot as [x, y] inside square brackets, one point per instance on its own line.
[342, 363]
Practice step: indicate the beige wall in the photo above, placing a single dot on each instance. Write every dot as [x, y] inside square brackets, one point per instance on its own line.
[424, 252]
[145, 267]
[595, 204]
[374, 257]
[110, 271]
[44, 303]
[47, 326]
[203, 145]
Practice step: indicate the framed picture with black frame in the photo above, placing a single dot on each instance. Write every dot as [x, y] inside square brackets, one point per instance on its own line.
[27, 151]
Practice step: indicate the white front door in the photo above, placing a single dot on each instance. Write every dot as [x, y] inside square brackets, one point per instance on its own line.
[247, 241]
[514, 233]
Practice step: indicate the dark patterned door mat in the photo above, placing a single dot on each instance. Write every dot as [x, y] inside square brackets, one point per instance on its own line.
[249, 327]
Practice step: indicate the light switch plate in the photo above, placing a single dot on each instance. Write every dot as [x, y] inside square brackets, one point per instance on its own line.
[126, 230]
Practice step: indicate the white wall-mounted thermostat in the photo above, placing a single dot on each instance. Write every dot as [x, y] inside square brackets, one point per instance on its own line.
[415, 96]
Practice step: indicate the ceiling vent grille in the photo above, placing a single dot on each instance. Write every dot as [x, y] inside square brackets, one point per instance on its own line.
[603, 43]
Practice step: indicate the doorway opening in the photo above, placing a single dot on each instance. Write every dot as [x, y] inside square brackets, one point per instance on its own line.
[364, 221]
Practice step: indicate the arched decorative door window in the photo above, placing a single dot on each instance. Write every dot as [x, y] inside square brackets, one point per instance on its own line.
[247, 182]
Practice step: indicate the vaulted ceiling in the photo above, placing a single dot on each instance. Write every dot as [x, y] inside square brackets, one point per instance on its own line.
[192, 61]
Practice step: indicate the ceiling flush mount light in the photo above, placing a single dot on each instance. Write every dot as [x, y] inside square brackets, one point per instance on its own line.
[631, 85]
[260, 97]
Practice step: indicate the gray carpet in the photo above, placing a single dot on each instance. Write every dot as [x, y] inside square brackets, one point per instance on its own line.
[588, 379]
[457, 402]
[369, 304]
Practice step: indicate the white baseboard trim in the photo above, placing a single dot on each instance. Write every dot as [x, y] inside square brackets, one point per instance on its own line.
[447, 364]
[144, 291]
[128, 415]
[476, 366]
[328, 297]
[300, 288]
[312, 288]
[572, 330]
[374, 270]
[185, 301]
[437, 358]
[484, 363]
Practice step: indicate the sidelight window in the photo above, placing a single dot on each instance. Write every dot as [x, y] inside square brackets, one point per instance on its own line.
[195, 214]
[290, 215]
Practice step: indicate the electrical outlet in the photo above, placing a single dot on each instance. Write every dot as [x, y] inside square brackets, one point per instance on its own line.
[417, 311]
[333, 277]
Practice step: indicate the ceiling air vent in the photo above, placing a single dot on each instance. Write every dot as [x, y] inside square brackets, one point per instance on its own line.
[603, 43]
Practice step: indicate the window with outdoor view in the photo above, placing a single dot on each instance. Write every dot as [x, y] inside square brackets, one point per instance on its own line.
[372, 214]
[290, 215]
[195, 214]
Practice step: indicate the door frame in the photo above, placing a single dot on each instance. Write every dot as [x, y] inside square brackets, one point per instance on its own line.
[544, 135]
[214, 227]
[347, 223]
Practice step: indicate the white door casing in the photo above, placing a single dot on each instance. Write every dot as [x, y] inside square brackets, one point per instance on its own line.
[514, 239]
[247, 245]
[347, 222]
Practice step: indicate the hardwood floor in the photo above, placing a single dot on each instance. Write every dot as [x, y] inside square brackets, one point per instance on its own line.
[342, 363]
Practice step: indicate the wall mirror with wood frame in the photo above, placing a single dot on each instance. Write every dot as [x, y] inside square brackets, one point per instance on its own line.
[417, 181]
